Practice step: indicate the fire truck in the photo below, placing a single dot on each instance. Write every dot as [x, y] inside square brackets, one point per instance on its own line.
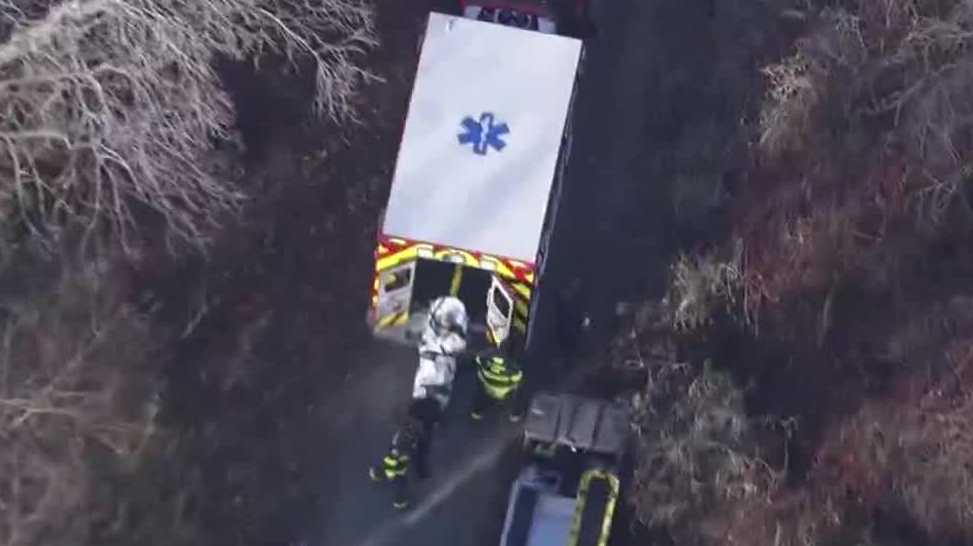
[477, 179]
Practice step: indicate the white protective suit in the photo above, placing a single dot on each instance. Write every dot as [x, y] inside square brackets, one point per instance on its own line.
[443, 339]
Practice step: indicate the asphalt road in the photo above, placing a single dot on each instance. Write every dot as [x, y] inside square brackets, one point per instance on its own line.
[474, 463]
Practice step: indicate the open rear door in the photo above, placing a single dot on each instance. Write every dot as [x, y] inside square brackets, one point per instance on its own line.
[395, 296]
[500, 311]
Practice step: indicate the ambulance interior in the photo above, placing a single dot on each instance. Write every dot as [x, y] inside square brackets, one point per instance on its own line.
[414, 285]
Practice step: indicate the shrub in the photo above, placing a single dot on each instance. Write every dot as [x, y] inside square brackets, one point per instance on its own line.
[900, 70]
[695, 449]
[703, 285]
[851, 225]
[77, 406]
[930, 450]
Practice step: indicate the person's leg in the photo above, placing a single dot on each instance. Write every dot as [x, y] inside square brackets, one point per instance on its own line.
[481, 401]
[518, 404]
[422, 451]
[402, 496]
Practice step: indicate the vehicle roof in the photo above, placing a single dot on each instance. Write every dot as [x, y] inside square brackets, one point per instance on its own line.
[589, 424]
[494, 202]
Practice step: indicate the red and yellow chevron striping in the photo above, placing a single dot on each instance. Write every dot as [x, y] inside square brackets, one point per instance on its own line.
[392, 252]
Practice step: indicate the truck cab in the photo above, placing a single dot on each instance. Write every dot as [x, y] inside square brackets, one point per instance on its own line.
[564, 17]
[535, 15]
[567, 492]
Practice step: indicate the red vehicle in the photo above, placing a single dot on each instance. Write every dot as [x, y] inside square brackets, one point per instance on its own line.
[565, 17]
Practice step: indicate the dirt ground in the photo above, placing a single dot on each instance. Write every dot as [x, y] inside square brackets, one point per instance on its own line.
[280, 380]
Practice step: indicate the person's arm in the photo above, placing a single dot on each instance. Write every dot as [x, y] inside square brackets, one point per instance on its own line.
[453, 345]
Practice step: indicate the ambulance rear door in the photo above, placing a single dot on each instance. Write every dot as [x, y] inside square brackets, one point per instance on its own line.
[500, 311]
[395, 295]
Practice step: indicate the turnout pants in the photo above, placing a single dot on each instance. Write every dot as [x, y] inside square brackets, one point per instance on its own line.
[399, 483]
[514, 402]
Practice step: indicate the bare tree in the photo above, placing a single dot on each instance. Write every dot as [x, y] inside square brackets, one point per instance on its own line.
[75, 393]
[111, 108]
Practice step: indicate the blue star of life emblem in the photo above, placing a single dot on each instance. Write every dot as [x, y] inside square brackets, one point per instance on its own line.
[483, 134]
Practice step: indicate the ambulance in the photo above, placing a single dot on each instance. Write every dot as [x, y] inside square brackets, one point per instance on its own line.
[478, 177]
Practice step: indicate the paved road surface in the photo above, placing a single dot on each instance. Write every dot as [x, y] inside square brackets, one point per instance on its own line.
[463, 504]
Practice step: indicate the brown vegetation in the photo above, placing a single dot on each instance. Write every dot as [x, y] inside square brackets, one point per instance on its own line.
[78, 403]
[696, 449]
[842, 294]
[112, 111]
[117, 132]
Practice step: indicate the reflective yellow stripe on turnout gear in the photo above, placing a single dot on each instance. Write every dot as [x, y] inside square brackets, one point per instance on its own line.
[498, 380]
[395, 466]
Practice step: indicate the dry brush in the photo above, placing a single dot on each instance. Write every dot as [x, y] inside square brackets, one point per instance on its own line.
[77, 403]
[112, 110]
[697, 452]
[854, 220]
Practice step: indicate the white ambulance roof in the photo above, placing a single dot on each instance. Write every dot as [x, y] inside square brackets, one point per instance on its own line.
[481, 139]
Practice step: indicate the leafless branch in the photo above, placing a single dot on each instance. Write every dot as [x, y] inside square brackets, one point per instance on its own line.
[74, 385]
[109, 108]
[695, 455]
[703, 285]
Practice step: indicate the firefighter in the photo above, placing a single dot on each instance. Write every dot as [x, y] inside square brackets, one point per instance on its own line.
[409, 449]
[443, 341]
[500, 381]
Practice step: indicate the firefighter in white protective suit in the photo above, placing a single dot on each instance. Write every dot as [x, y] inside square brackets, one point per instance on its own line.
[443, 340]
